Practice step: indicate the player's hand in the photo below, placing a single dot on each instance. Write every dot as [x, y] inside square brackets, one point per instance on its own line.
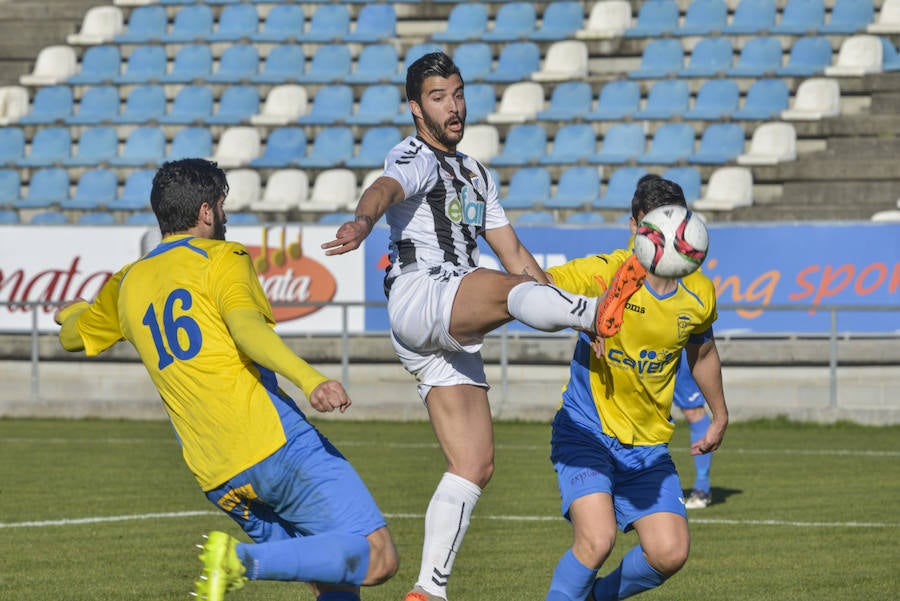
[598, 343]
[328, 396]
[349, 236]
[63, 307]
[711, 440]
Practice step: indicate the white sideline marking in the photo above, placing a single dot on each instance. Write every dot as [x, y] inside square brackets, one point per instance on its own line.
[419, 516]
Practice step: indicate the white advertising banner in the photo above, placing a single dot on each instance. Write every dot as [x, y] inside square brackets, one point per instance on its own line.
[52, 264]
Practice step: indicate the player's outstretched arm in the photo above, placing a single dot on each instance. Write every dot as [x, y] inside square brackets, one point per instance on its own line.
[512, 254]
[383, 192]
[706, 367]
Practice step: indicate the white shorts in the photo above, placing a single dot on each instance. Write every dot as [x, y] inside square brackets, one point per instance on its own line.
[419, 309]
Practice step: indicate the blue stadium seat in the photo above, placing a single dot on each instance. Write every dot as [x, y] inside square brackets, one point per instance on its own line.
[623, 142]
[620, 188]
[46, 187]
[528, 188]
[145, 24]
[585, 218]
[192, 23]
[9, 216]
[97, 218]
[145, 145]
[474, 60]
[413, 53]
[890, 57]
[667, 99]
[237, 22]
[661, 58]
[238, 63]
[191, 142]
[849, 16]
[481, 101]
[335, 218]
[96, 145]
[192, 62]
[146, 64]
[329, 23]
[617, 100]
[331, 147]
[192, 104]
[800, 17]
[285, 63]
[525, 144]
[809, 55]
[517, 61]
[236, 105]
[559, 21]
[720, 143]
[12, 145]
[514, 21]
[577, 187]
[376, 63]
[688, 178]
[10, 187]
[573, 143]
[378, 104]
[466, 23]
[765, 99]
[98, 104]
[144, 103]
[141, 218]
[100, 64]
[716, 99]
[284, 23]
[331, 104]
[752, 17]
[569, 100]
[52, 217]
[96, 188]
[760, 57]
[374, 146]
[374, 23]
[655, 19]
[49, 146]
[535, 219]
[710, 57]
[671, 143]
[51, 104]
[330, 63]
[283, 146]
[135, 194]
[703, 17]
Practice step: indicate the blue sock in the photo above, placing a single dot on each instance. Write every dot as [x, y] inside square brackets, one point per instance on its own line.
[703, 462]
[634, 575]
[572, 580]
[330, 558]
[338, 596]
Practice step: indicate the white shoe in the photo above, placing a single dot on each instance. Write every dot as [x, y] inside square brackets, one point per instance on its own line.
[698, 499]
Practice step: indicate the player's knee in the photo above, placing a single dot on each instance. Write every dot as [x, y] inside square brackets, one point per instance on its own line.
[592, 548]
[383, 558]
[670, 559]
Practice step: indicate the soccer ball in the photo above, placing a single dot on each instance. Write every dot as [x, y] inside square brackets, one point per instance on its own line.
[671, 241]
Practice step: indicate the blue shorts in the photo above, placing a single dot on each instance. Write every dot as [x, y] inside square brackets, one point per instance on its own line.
[641, 479]
[687, 393]
[306, 487]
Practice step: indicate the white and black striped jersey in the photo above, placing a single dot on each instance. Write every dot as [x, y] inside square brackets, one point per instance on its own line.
[450, 200]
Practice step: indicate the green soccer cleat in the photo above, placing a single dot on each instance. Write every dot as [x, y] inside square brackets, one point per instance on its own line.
[222, 570]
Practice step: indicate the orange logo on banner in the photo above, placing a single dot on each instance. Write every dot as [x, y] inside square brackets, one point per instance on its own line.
[287, 276]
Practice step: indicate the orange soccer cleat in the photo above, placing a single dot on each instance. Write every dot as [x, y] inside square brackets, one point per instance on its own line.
[625, 282]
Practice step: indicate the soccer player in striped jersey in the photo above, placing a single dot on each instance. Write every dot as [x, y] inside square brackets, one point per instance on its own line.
[195, 312]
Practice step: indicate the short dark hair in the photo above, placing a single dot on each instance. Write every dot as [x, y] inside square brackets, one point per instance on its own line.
[653, 191]
[179, 190]
[431, 65]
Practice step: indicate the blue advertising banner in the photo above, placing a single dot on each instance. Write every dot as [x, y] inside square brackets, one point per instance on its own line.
[751, 264]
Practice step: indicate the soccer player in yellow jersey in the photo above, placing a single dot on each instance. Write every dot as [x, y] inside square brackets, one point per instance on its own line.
[611, 432]
[194, 309]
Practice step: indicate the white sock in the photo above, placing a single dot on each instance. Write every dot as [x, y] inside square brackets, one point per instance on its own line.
[446, 522]
[547, 308]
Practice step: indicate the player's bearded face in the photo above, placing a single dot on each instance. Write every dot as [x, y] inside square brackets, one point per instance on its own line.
[449, 130]
[443, 105]
[219, 222]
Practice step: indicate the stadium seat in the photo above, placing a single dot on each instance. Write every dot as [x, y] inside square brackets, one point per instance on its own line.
[282, 146]
[716, 99]
[329, 23]
[100, 25]
[848, 17]
[720, 143]
[474, 60]
[808, 56]
[688, 178]
[284, 104]
[482, 142]
[331, 148]
[96, 218]
[535, 219]
[54, 65]
[284, 23]
[890, 215]
[376, 63]
[192, 104]
[703, 18]
[752, 17]
[525, 144]
[728, 188]
[559, 21]
[96, 189]
[520, 102]
[585, 218]
[413, 53]
[765, 99]
[773, 142]
[243, 219]
[517, 61]
[49, 146]
[99, 65]
[815, 99]
[671, 143]
[237, 147]
[13, 103]
[10, 187]
[513, 21]
[890, 57]
[760, 57]
[144, 146]
[620, 188]
[193, 62]
[284, 63]
[141, 218]
[47, 187]
[607, 20]
[146, 64]
[331, 104]
[378, 104]
[667, 99]
[135, 194]
[244, 189]
[622, 142]
[12, 145]
[374, 23]
[888, 19]
[145, 24]
[192, 23]
[711, 57]
[330, 63]
[574, 143]
[655, 19]
[335, 218]
[565, 60]
[661, 58]
[800, 17]
[578, 187]
[9, 216]
[238, 63]
[858, 55]
[466, 23]
[333, 190]
[236, 105]
[236, 23]
[569, 100]
[285, 190]
[528, 188]
[51, 217]
[481, 101]
[617, 100]
[96, 146]
[145, 103]
[51, 104]
[191, 142]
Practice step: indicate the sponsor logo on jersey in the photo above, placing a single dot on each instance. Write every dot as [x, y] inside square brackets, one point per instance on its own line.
[466, 208]
[635, 308]
[649, 361]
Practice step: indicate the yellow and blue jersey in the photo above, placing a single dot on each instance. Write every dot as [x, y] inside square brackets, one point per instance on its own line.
[630, 388]
[170, 305]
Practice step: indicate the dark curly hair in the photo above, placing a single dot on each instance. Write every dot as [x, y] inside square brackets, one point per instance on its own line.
[434, 64]
[179, 190]
[653, 191]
